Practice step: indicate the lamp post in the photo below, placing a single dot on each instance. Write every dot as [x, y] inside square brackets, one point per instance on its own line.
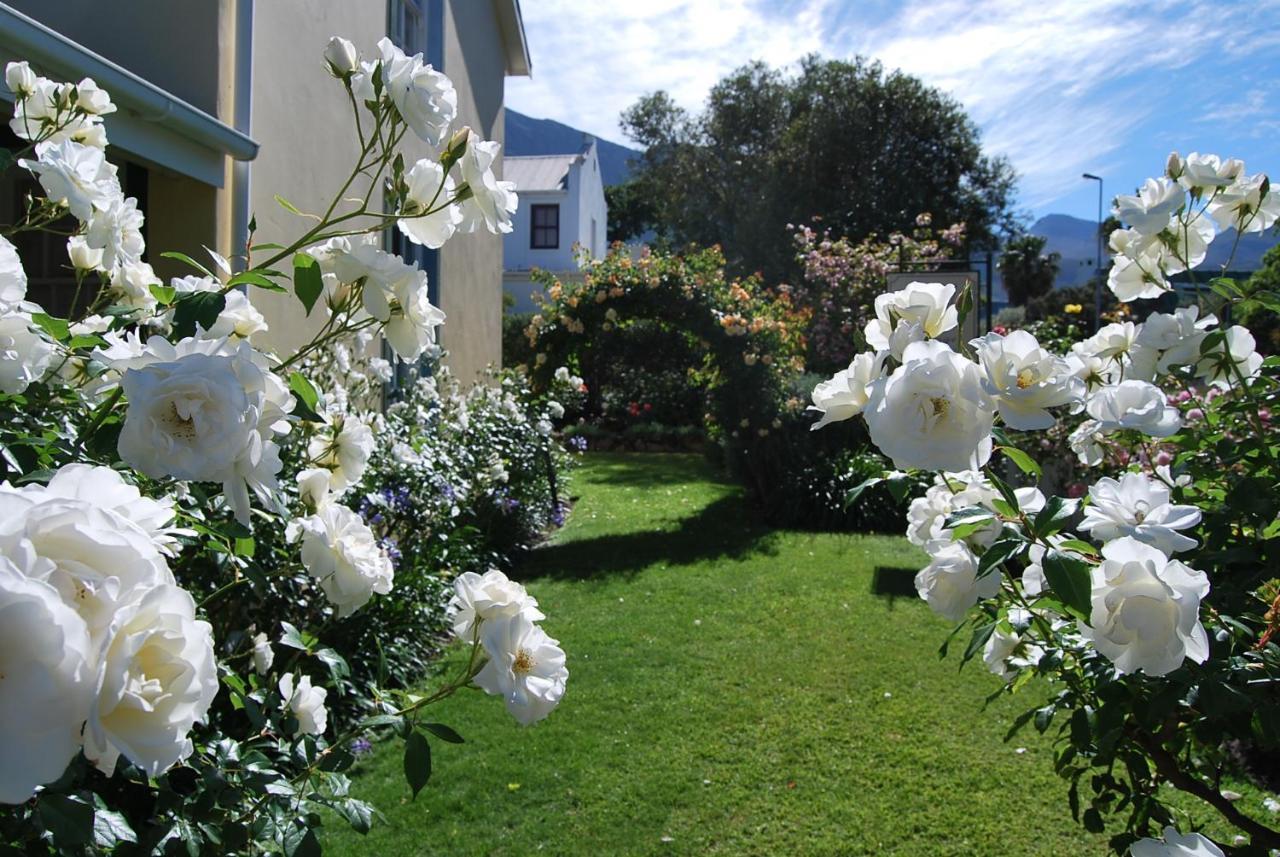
[1097, 283]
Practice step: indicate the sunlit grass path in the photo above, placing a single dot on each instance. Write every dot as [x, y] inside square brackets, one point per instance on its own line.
[733, 691]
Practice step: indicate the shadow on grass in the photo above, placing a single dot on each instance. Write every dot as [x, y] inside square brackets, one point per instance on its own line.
[894, 582]
[647, 470]
[723, 529]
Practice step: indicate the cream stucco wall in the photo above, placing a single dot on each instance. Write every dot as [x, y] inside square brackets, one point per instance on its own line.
[471, 265]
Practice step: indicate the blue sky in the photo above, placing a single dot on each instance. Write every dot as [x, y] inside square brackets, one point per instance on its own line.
[1059, 86]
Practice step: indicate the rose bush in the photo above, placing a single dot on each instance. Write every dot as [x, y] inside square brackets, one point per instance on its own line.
[1155, 664]
[220, 565]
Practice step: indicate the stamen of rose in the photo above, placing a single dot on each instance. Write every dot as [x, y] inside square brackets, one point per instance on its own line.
[524, 663]
[1026, 378]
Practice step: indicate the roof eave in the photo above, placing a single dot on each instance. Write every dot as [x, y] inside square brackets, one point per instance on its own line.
[514, 42]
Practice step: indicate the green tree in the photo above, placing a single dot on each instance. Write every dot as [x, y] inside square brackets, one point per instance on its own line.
[1026, 270]
[861, 149]
[631, 212]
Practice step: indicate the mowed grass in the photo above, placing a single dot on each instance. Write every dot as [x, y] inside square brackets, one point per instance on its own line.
[733, 690]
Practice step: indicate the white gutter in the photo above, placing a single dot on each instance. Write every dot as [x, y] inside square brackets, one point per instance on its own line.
[182, 124]
[515, 44]
[243, 114]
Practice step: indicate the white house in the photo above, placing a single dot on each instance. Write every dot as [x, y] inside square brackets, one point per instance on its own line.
[562, 209]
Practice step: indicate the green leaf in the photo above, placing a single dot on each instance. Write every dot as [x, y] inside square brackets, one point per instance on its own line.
[337, 665]
[417, 761]
[183, 257]
[1001, 550]
[307, 398]
[856, 491]
[357, 813]
[1079, 547]
[1069, 579]
[898, 485]
[1044, 717]
[244, 547]
[293, 638]
[393, 720]
[967, 515]
[256, 278]
[307, 282]
[1053, 517]
[58, 328]
[110, 829]
[444, 733]
[1003, 487]
[288, 206]
[197, 308]
[69, 819]
[1226, 287]
[1268, 299]
[1025, 462]
[979, 639]
[163, 294]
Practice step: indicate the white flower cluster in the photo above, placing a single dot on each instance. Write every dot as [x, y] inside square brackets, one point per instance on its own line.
[1174, 218]
[525, 666]
[100, 649]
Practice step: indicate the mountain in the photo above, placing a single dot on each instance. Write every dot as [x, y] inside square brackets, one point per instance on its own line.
[529, 136]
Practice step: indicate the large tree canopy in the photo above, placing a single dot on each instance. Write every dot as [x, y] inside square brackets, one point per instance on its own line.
[863, 150]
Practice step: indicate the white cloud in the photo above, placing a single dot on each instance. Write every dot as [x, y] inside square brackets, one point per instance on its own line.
[1060, 86]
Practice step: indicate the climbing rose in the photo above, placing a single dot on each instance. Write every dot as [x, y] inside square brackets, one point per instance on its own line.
[25, 355]
[950, 584]
[525, 667]
[305, 702]
[341, 552]
[1174, 844]
[843, 396]
[1025, 380]
[479, 598]
[429, 188]
[1135, 405]
[1138, 506]
[424, 98]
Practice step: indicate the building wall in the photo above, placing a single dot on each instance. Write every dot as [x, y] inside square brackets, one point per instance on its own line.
[518, 255]
[302, 119]
[471, 265]
[591, 205]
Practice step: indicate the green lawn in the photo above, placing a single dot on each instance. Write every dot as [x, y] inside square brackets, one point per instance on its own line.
[733, 690]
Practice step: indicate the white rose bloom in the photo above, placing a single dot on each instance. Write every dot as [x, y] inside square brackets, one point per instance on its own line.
[1025, 380]
[1167, 340]
[1088, 442]
[424, 98]
[306, 703]
[1135, 405]
[382, 369]
[191, 284]
[479, 598]
[46, 665]
[1174, 844]
[13, 279]
[843, 396]
[344, 449]
[492, 202]
[343, 554]
[555, 409]
[932, 412]
[1092, 371]
[1150, 209]
[131, 285]
[25, 354]
[1146, 609]
[429, 188]
[207, 411]
[1139, 507]
[313, 487]
[1001, 653]
[76, 176]
[950, 584]
[1139, 278]
[157, 676]
[20, 79]
[107, 489]
[920, 311]
[411, 329]
[82, 256]
[1191, 242]
[1112, 342]
[525, 667]
[562, 374]
[380, 271]
[342, 57]
[1237, 354]
[239, 319]
[92, 99]
[1209, 171]
[115, 228]
[263, 655]
[1242, 205]
[950, 493]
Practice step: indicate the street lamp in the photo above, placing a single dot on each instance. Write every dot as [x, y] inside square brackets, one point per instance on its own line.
[1097, 283]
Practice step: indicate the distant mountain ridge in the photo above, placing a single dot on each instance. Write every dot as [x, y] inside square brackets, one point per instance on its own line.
[529, 136]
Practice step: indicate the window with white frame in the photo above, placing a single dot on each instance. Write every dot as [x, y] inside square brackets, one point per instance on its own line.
[408, 26]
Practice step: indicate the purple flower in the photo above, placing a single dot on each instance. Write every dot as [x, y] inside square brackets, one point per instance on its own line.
[578, 443]
[361, 747]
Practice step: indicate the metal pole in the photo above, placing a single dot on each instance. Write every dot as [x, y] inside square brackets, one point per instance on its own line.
[1097, 283]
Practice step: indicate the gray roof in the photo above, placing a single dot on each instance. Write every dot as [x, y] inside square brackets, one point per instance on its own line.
[538, 172]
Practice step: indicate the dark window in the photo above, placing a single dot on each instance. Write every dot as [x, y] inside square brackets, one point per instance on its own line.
[407, 27]
[546, 227]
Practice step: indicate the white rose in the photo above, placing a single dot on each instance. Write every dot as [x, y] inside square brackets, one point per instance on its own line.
[1135, 405]
[263, 655]
[1167, 340]
[424, 98]
[13, 279]
[1243, 206]
[1174, 844]
[492, 202]
[1088, 442]
[306, 703]
[429, 188]
[1236, 354]
[411, 328]
[1111, 342]
[205, 410]
[1139, 507]
[107, 489]
[131, 285]
[115, 228]
[1140, 277]
[344, 449]
[917, 312]
[313, 486]
[479, 598]
[950, 584]
[1025, 380]
[239, 319]
[525, 667]
[1150, 209]
[342, 553]
[555, 409]
[932, 412]
[845, 395]
[46, 680]
[156, 677]
[20, 79]
[1208, 171]
[76, 176]
[1146, 609]
[82, 256]
[25, 354]
[342, 57]
[950, 493]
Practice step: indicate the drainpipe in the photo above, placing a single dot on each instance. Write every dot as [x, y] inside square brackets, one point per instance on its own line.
[241, 120]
